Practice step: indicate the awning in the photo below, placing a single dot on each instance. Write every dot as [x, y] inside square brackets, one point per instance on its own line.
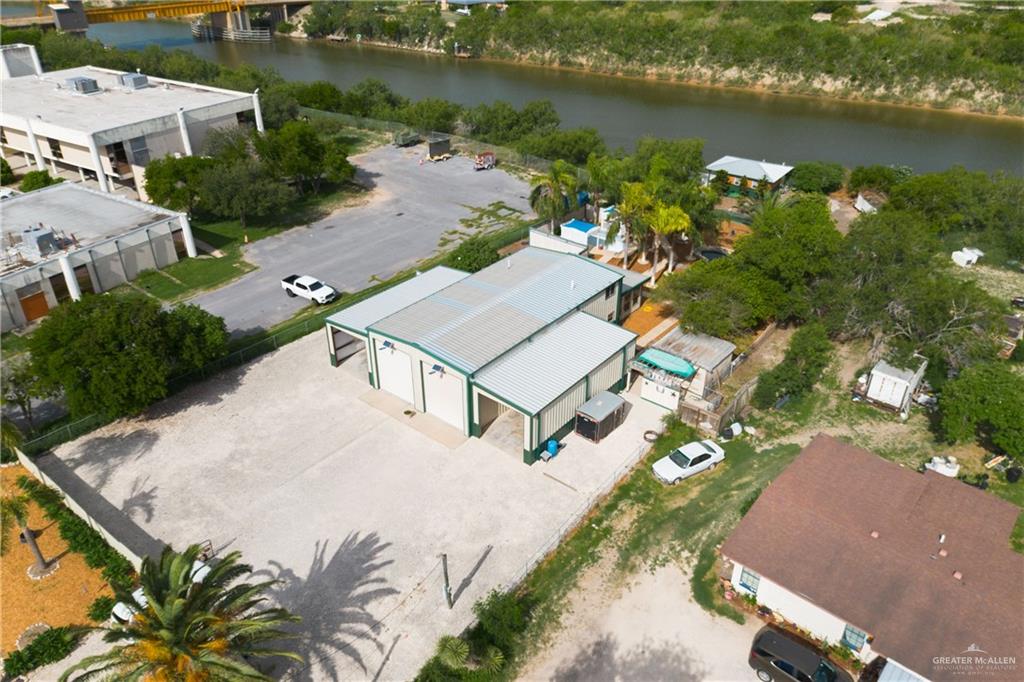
[659, 359]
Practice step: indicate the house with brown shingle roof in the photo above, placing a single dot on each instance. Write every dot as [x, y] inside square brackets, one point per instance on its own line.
[860, 551]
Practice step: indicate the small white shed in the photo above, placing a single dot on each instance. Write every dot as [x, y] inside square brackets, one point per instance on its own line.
[892, 386]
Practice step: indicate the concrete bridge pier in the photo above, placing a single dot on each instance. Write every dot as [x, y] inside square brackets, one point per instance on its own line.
[236, 21]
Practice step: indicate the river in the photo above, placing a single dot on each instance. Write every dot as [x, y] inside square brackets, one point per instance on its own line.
[741, 123]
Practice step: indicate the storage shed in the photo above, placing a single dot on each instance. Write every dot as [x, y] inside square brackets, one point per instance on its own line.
[438, 145]
[600, 415]
[894, 387]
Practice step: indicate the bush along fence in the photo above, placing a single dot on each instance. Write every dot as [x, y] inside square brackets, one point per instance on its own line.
[273, 341]
[468, 146]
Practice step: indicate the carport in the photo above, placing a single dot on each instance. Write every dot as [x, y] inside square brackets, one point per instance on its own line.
[549, 376]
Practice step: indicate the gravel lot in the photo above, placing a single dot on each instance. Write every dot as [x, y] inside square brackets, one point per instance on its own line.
[649, 630]
[411, 206]
[286, 461]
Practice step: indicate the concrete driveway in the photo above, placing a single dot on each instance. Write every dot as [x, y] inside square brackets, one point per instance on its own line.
[411, 206]
[288, 461]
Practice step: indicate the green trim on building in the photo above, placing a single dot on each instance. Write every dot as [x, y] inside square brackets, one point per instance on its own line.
[333, 358]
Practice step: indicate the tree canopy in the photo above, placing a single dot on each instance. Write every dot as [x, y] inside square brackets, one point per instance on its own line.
[114, 355]
[473, 254]
[986, 402]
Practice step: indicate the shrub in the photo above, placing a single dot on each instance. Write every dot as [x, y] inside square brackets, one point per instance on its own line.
[51, 646]
[502, 618]
[99, 610]
[880, 178]
[6, 174]
[473, 254]
[79, 536]
[284, 27]
[806, 358]
[37, 179]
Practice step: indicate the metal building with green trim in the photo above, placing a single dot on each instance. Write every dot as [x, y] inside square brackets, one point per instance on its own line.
[535, 333]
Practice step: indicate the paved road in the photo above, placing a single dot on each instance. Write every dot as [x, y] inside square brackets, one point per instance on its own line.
[409, 210]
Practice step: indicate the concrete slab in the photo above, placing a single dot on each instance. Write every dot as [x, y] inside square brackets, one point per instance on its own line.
[347, 505]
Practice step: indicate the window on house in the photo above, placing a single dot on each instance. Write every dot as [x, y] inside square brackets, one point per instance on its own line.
[3, 136]
[55, 152]
[140, 150]
[854, 638]
[611, 316]
[609, 292]
[749, 580]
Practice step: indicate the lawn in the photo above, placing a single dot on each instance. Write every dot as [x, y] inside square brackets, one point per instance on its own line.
[12, 344]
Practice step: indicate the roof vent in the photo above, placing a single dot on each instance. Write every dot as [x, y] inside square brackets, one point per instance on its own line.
[874, 534]
[133, 81]
[572, 284]
[942, 538]
[83, 85]
[958, 575]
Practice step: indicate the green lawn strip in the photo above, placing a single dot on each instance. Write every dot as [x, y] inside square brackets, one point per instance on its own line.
[12, 344]
[158, 284]
[206, 273]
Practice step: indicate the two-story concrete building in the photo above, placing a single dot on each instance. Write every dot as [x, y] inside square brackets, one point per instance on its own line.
[107, 125]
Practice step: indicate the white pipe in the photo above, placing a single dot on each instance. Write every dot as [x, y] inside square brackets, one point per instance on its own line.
[256, 109]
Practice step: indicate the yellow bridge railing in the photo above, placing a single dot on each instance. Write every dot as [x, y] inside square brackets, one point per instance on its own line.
[160, 10]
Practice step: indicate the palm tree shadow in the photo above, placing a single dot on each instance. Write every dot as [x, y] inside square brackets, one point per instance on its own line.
[334, 602]
[604, 659]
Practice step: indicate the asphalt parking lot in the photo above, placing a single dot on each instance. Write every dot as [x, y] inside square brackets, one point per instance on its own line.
[288, 461]
[410, 208]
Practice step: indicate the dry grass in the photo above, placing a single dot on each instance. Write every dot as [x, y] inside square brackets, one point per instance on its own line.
[62, 598]
[1002, 283]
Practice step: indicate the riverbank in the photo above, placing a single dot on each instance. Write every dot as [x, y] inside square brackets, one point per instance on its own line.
[829, 91]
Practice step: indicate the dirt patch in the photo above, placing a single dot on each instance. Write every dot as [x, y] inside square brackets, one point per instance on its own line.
[649, 316]
[1002, 283]
[61, 598]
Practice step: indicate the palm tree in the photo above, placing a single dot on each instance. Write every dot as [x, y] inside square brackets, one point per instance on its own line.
[15, 509]
[667, 221]
[10, 435]
[206, 630]
[634, 212]
[764, 203]
[553, 193]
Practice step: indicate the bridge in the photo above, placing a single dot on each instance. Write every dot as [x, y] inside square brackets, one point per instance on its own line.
[73, 16]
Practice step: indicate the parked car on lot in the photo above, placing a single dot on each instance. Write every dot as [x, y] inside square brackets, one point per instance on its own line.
[309, 288]
[778, 656]
[688, 460]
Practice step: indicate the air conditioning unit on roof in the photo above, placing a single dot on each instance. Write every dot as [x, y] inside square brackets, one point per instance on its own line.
[82, 85]
[134, 81]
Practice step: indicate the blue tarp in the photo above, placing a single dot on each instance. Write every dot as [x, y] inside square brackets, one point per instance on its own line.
[580, 225]
[668, 362]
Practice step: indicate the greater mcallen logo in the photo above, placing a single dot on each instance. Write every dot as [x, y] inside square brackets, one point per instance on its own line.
[975, 661]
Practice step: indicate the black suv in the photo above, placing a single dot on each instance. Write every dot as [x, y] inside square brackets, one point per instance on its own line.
[778, 656]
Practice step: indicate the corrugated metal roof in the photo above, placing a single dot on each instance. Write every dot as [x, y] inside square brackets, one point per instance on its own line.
[749, 168]
[701, 350]
[363, 314]
[630, 279]
[475, 320]
[537, 372]
[601, 405]
[883, 367]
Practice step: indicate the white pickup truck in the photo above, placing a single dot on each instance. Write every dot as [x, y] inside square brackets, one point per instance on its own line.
[309, 288]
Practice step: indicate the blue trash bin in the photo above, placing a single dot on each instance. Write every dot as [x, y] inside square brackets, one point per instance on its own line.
[552, 448]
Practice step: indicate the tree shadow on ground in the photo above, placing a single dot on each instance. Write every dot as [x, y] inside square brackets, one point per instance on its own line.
[201, 389]
[104, 455]
[334, 602]
[140, 499]
[603, 660]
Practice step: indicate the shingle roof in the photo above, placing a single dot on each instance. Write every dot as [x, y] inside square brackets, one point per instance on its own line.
[475, 320]
[363, 314]
[749, 168]
[537, 372]
[700, 349]
[811, 532]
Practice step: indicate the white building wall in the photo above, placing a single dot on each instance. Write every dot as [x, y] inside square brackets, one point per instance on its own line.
[605, 376]
[665, 396]
[544, 240]
[800, 611]
[558, 413]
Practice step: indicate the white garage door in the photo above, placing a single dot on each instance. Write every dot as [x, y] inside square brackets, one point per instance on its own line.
[444, 394]
[395, 369]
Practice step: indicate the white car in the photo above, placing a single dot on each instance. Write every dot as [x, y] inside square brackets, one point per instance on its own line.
[309, 288]
[688, 460]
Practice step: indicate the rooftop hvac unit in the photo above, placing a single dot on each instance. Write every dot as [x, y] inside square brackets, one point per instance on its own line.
[82, 84]
[134, 81]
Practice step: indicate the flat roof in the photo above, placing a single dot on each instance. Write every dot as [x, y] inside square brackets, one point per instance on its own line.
[534, 374]
[39, 98]
[358, 317]
[701, 350]
[860, 537]
[749, 168]
[83, 215]
[480, 317]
